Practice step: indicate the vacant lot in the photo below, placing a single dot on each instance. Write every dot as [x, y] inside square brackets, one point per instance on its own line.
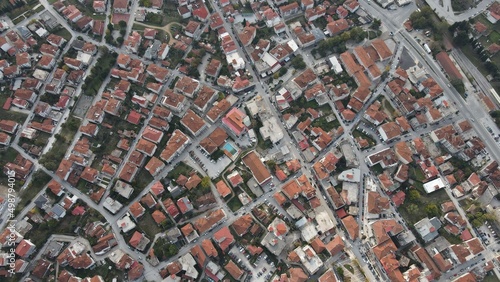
[148, 225]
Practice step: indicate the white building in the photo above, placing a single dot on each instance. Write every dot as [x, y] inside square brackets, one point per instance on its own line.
[434, 185]
[335, 64]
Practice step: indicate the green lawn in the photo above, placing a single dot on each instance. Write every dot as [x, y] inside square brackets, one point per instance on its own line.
[39, 9]
[324, 124]
[61, 31]
[169, 15]
[496, 61]
[416, 173]
[180, 168]
[349, 267]
[491, 278]
[234, 204]
[494, 36]
[377, 169]
[389, 109]
[474, 58]
[138, 27]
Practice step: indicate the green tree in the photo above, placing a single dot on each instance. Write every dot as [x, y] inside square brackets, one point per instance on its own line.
[122, 24]
[376, 24]
[461, 38]
[283, 71]
[491, 67]
[205, 182]
[340, 271]
[414, 195]
[412, 209]
[431, 210]
[220, 96]
[298, 63]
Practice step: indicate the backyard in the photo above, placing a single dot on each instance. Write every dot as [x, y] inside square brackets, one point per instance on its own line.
[169, 15]
[10, 115]
[180, 168]
[64, 33]
[148, 225]
[418, 205]
[86, 10]
[234, 204]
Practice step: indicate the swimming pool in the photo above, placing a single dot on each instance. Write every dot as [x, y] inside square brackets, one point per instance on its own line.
[230, 149]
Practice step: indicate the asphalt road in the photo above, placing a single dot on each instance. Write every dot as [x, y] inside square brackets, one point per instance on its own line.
[451, 17]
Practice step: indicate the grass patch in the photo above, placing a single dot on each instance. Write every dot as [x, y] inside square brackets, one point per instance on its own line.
[414, 210]
[180, 168]
[107, 271]
[138, 27]
[10, 115]
[416, 173]
[148, 226]
[108, 141]
[61, 31]
[377, 169]
[494, 36]
[39, 9]
[169, 15]
[324, 124]
[491, 277]
[142, 179]
[18, 19]
[496, 61]
[388, 108]
[453, 239]
[349, 267]
[234, 204]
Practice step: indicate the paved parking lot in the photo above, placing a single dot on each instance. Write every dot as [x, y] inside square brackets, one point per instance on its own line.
[212, 167]
[489, 237]
[262, 266]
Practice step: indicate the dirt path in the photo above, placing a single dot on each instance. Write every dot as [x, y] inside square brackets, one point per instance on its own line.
[166, 28]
